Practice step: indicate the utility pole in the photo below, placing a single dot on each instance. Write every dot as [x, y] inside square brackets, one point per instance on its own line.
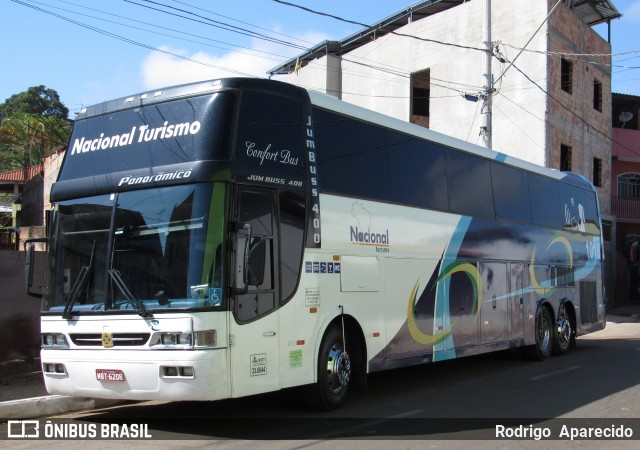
[487, 76]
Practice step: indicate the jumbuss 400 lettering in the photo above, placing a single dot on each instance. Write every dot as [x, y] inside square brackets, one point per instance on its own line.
[395, 246]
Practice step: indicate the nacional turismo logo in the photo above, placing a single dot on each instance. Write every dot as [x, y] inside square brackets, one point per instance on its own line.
[364, 233]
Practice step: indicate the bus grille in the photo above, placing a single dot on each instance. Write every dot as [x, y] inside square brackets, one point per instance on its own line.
[118, 339]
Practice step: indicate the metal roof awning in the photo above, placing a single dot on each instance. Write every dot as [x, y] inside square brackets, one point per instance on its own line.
[594, 12]
[591, 12]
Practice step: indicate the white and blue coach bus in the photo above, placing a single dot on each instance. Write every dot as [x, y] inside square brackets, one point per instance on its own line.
[239, 236]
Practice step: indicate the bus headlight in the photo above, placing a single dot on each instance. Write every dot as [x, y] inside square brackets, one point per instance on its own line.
[171, 340]
[206, 339]
[183, 341]
[54, 340]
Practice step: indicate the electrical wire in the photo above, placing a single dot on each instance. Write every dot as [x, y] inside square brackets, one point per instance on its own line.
[435, 41]
[131, 41]
[215, 23]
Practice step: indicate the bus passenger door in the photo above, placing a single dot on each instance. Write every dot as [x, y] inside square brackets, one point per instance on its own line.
[254, 350]
[517, 300]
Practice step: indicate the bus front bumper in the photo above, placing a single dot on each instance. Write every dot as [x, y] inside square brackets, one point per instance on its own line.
[137, 375]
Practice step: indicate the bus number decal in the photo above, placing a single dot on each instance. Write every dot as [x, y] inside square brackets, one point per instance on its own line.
[258, 364]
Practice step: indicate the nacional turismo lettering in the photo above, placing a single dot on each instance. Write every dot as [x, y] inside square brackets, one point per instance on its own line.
[137, 134]
[379, 240]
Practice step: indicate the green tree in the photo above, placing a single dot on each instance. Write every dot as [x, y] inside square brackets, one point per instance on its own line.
[33, 123]
[37, 100]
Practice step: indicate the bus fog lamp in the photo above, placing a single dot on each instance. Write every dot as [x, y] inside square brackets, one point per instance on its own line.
[171, 371]
[177, 372]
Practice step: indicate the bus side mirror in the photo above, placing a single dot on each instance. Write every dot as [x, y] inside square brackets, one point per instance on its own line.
[241, 250]
[29, 264]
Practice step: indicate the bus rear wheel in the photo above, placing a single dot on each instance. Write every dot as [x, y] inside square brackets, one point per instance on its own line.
[541, 350]
[334, 373]
[562, 333]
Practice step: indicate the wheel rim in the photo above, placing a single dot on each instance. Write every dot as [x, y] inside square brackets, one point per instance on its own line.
[564, 329]
[545, 333]
[338, 369]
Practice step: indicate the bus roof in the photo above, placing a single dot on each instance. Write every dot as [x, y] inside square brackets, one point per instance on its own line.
[322, 101]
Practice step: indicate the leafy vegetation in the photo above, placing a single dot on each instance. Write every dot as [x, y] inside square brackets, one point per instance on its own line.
[33, 124]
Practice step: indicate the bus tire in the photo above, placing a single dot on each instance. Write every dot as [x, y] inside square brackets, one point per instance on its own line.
[542, 349]
[334, 373]
[562, 332]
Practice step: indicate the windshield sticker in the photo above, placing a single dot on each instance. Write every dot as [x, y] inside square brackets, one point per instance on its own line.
[215, 296]
[137, 134]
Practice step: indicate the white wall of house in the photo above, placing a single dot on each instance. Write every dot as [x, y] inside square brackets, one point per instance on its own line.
[518, 109]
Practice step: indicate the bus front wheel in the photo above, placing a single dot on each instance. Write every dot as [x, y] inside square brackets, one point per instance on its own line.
[334, 373]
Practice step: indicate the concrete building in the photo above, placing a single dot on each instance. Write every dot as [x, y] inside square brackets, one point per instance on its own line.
[625, 195]
[551, 107]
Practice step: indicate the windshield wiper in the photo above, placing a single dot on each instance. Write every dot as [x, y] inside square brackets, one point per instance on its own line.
[78, 285]
[136, 303]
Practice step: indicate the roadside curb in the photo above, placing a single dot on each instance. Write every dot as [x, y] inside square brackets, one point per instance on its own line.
[47, 405]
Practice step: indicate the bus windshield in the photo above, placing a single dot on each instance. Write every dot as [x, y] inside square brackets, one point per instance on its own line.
[138, 252]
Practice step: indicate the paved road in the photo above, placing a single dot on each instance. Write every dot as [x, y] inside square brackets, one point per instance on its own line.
[462, 399]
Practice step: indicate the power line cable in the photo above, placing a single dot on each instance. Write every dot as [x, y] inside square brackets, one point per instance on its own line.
[435, 41]
[243, 22]
[159, 33]
[156, 26]
[131, 41]
[215, 23]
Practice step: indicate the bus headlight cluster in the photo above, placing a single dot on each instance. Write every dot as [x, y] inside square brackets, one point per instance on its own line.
[183, 340]
[54, 340]
[175, 339]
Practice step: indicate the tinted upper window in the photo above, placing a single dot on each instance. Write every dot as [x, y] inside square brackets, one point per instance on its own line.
[352, 157]
[469, 184]
[156, 135]
[510, 193]
[270, 138]
[545, 201]
[417, 172]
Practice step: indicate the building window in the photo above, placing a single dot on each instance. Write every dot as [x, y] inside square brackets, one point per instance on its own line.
[565, 158]
[420, 92]
[597, 172]
[566, 75]
[597, 95]
[629, 185]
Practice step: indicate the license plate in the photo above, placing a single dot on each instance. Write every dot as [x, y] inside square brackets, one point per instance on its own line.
[110, 375]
